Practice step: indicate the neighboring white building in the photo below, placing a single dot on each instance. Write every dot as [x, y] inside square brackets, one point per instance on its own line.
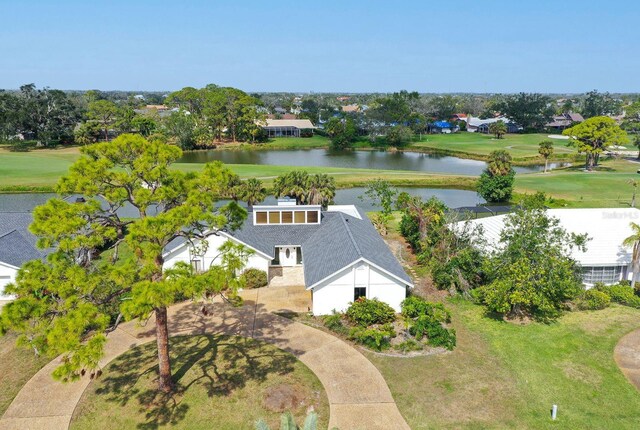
[605, 259]
[287, 127]
[481, 125]
[17, 246]
[340, 252]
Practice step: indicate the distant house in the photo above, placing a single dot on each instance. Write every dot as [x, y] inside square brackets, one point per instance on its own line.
[564, 121]
[481, 125]
[17, 246]
[159, 108]
[459, 117]
[336, 253]
[279, 110]
[605, 259]
[443, 127]
[163, 111]
[350, 108]
[288, 127]
[343, 98]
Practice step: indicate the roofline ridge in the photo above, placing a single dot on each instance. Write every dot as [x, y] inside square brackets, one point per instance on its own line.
[15, 230]
[353, 240]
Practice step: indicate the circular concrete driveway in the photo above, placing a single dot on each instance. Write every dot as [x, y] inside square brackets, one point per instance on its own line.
[359, 397]
[627, 356]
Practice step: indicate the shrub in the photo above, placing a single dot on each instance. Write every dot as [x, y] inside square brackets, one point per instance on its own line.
[495, 188]
[621, 293]
[440, 336]
[365, 312]
[408, 345]
[426, 325]
[399, 135]
[334, 323]
[374, 338]
[255, 278]
[593, 300]
[414, 306]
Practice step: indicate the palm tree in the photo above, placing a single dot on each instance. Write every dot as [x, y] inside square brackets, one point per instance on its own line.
[634, 184]
[321, 189]
[252, 192]
[499, 163]
[292, 184]
[546, 150]
[634, 242]
[287, 422]
[498, 129]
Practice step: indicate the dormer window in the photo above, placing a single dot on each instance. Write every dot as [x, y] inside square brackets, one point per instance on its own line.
[312, 217]
[286, 214]
[261, 217]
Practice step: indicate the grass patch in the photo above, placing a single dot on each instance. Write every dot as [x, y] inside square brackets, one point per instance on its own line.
[17, 366]
[223, 382]
[605, 187]
[278, 143]
[503, 375]
[522, 147]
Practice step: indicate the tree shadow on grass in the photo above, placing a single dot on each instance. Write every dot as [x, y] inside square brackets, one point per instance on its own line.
[216, 363]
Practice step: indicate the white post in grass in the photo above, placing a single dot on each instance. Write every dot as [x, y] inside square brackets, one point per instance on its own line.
[554, 412]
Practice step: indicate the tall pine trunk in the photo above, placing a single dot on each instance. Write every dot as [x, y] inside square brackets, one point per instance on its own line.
[164, 363]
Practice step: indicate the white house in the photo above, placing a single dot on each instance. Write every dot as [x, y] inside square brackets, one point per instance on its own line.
[341, 254]
[17, 246]
[286, 127]
[481, 125]
[605, 259]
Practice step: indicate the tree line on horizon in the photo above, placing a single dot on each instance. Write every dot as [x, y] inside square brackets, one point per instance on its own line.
[202, 117]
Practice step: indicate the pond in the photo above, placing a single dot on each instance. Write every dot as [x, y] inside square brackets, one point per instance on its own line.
[379, 160]
[452, 198]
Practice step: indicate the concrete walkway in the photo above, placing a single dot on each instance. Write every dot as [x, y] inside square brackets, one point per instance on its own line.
[358, 394]
[627, 356]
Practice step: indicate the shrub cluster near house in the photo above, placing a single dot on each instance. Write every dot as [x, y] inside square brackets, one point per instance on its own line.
[375, 325]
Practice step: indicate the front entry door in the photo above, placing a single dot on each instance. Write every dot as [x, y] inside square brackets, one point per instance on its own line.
[287, 256]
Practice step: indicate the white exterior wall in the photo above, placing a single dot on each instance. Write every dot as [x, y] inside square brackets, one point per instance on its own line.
[337, 292]
[7, 276]
[256, 261]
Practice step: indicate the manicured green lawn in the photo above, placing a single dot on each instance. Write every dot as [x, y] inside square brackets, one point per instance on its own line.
[504, 375]
[520, 146]
[40, 168]
[17, 366]
[222, 383]
[316, 141]
[606, 187]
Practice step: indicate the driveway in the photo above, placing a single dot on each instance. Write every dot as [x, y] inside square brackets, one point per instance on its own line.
[358, 394]
[627, 356]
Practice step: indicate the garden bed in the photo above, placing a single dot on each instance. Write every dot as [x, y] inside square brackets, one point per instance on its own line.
[422, 328]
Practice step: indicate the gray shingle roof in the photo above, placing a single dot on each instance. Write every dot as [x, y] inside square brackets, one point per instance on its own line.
[344, 241]
[17, 244]
[337, 242]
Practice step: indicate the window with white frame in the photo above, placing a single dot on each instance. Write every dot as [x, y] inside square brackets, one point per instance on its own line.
[605, 274]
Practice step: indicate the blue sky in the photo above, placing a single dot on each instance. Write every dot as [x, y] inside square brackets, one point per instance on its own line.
[349, 46]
